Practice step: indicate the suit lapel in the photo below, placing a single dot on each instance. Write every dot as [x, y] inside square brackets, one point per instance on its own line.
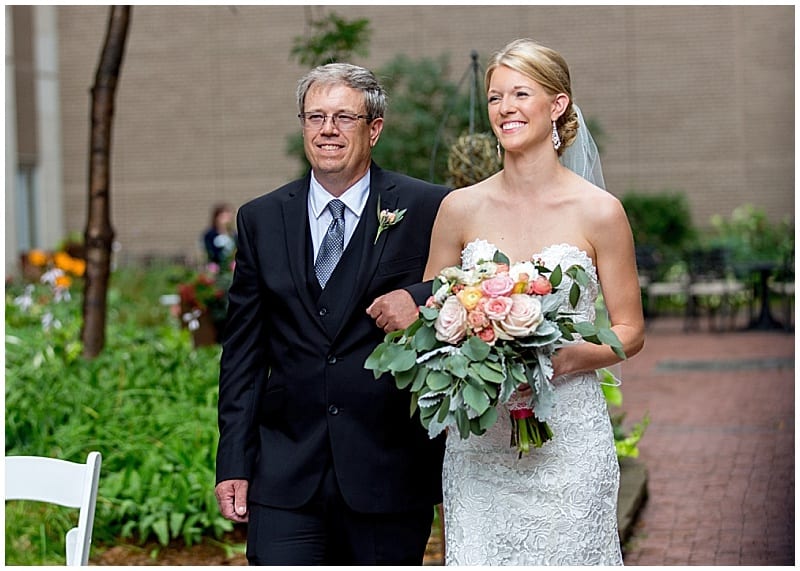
[385, 196]
[295, 228]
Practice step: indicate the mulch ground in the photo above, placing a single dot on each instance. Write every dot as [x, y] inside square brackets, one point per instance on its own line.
[207, 553]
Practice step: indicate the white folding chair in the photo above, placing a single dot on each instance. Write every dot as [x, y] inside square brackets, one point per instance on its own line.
[59, 482]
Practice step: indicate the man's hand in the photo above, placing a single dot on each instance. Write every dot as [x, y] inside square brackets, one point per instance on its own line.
[232, 500]
[394, 310]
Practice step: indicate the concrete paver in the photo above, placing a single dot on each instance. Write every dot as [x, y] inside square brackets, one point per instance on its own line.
[719, 451]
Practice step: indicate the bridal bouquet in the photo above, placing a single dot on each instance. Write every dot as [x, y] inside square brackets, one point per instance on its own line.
[486, 332]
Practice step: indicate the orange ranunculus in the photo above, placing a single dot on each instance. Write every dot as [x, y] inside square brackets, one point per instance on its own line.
[37, 258]
[63, 281]
[469, 297]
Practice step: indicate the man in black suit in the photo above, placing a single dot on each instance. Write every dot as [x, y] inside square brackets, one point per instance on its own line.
[320, 458]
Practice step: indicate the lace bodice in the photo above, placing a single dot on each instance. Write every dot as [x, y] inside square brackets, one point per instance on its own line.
[556, 506]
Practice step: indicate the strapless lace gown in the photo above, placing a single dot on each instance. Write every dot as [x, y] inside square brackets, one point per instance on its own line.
[555, 506]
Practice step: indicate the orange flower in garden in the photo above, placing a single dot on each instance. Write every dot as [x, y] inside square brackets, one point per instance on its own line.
[63, 281]
[64, 261]
[78, 266]
[37, 258]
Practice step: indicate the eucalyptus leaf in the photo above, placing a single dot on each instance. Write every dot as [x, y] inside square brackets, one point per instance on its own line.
[585, 329]
[457, 365]
[424, 339]
[428, 313]
[476, 349]
[438, 380]
[488, 418]
[402, 361]
[555, 276]
[574, 294]
[500, 258]
[404, 378]
[475, 398]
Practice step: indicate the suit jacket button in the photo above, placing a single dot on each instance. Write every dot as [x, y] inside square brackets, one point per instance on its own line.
[331, 359]
[333, 410]
[323, 311]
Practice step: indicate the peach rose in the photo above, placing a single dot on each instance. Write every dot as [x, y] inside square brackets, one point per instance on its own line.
[541, 286]
[451, 324]
[487, 335]
[477, 319]
[524, 318]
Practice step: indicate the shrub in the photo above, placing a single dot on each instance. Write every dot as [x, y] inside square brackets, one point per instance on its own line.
[662, 223]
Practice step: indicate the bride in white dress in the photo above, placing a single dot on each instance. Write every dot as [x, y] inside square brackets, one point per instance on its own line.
[556, 505]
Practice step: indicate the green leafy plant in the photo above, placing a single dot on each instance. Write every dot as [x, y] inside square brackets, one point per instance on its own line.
[626, 443]
[333, 39]
[147, 403]
[747, 234]
[661, 221]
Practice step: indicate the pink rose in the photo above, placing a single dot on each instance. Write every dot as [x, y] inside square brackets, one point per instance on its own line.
[541, 286]
[451, 324]
[525, 316]
[499, 285]
[496, 308]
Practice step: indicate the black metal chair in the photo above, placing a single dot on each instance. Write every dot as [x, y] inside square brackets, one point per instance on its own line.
[712, 288]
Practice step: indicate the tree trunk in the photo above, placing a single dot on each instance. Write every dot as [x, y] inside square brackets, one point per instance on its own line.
[99, 234]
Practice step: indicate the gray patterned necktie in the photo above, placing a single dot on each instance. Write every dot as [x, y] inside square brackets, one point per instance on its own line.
[332, 244]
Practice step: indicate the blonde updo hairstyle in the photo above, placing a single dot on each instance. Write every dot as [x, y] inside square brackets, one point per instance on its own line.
[547, 68]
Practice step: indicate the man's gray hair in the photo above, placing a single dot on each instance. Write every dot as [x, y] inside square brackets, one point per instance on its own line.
[352, 76]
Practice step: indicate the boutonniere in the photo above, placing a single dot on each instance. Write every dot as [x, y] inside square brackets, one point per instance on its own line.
[387, 219]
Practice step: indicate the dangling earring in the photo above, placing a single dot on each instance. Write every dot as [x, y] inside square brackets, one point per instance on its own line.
[556, 138]
[499, 154]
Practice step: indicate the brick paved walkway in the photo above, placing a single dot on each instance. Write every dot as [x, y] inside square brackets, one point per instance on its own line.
[719, 450]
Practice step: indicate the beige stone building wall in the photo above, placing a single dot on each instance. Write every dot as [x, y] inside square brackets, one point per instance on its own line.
[695, 99]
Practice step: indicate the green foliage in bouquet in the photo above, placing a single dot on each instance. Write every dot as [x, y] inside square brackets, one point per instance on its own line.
[458, 379]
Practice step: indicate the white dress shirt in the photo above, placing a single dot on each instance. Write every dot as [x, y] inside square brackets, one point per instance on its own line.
[319, 217]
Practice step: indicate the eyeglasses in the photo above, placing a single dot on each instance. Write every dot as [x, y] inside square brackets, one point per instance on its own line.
[343, 121]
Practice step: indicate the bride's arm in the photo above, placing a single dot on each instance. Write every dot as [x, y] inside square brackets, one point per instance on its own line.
[615, 259]
[447, 237]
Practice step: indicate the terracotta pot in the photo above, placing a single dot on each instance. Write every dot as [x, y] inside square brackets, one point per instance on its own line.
[206, 334]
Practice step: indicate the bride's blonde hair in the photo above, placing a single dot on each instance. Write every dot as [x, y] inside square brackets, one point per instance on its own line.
[546, 67]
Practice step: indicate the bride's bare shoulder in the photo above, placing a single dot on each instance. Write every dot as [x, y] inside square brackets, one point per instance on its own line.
[470, 197]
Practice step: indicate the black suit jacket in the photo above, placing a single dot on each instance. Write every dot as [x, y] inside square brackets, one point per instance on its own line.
[294, 393]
